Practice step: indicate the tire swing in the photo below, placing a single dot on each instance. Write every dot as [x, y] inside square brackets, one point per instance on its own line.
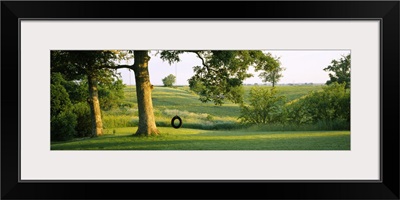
[176, 117]
[173, 122]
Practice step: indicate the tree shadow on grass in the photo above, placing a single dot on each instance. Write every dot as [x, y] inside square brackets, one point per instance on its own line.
[127, 142]
[245, 132]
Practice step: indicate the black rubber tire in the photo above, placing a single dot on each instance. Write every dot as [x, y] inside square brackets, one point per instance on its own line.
[173, 124]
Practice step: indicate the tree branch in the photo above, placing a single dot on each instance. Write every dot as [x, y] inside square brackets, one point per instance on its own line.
[118, 67]
[202, 60]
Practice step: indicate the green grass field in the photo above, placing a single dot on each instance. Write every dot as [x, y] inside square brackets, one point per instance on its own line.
[195, 139]
[205, 126]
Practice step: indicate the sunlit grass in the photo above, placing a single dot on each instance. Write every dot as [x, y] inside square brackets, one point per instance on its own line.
[194, 139]
[291, 92]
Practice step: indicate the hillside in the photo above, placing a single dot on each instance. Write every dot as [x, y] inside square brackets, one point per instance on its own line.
[168, 102]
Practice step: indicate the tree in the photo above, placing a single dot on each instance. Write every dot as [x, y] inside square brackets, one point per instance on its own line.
[266, 106]
[340, 71]
[92, 65]
[169, 80]
[147, 123]
[271, 70]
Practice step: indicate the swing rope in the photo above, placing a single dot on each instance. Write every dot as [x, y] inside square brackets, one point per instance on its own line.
[176, 77]
[176, 117]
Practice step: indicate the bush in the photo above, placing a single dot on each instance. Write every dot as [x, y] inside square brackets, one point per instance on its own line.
[60, 101]
[330, 106]
[63, 126]
[84, 122]
[266, 106]
[62, 119]
[111, 94]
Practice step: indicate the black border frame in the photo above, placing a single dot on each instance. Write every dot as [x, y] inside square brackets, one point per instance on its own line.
[386, 11]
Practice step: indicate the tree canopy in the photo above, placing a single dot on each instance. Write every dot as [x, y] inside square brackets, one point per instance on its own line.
[271, 70]
[222, 72]
[340, 71]
[169, 80]
[75, 65]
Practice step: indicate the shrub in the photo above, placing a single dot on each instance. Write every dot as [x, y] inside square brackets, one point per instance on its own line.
[60, 101]
[210, 117]
[330, 106]
[111, 94]
[266, 106]
[63, 126]
[62, 119]
[84, 122]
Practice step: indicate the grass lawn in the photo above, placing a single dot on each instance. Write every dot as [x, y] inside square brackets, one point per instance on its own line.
[194, 139]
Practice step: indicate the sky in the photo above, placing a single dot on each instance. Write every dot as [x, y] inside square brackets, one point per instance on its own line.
[301, 66]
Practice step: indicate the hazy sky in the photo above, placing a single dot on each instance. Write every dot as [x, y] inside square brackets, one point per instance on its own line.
[302, 66]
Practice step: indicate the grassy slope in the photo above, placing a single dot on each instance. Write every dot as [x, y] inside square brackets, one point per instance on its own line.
[170, 101]
[182, 99]
[193, 139]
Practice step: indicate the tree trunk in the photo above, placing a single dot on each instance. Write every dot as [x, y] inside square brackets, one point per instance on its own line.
[147, 123]
[273, 79]
[93, 100]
